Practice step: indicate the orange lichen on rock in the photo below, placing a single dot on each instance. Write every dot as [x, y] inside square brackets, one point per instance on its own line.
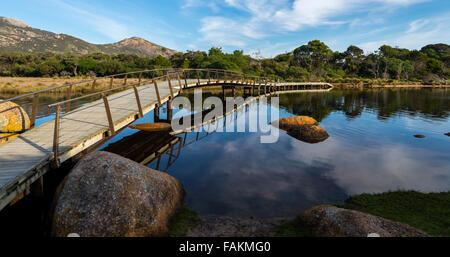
[4, 137]
[13, 119]
[294, 122]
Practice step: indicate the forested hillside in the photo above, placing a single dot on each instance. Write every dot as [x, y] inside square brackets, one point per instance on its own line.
[312, 62]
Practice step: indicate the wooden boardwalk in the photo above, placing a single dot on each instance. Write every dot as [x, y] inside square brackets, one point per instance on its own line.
[28, 157]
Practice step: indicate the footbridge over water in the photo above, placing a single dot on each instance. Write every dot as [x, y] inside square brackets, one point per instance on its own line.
[110, 108]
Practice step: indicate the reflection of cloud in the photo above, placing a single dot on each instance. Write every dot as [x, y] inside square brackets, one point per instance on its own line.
[257, 182]
[381, 168]
[233, 174]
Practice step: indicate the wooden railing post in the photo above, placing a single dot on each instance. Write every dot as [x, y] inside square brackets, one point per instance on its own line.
[140, 78]
[69, 96]
[170, 84]
[108, 115]
[185, 79]
[93, 89]
[111, 81]
[138, 101]
[125, 79]
[34, 110]
[217, 75]
[179, 83]
[157, 92]
[198, 77]
[209, 78]
[56, 135]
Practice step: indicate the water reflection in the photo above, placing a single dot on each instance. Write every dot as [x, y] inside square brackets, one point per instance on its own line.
[428, 103]
[370, 149]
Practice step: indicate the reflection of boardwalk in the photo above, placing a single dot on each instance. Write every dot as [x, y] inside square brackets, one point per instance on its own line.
[26, 158]
[150, 147]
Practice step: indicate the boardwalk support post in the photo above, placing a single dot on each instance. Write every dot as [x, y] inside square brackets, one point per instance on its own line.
[169, 110]
[156, 113]
[34, 110]
[108, 114]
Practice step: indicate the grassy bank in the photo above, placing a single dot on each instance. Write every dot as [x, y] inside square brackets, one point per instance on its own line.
[23, 85]
[183, 220]
[428, 212]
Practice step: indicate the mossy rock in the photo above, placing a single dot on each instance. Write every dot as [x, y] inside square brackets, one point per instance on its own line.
[294, 122]
[13, 118]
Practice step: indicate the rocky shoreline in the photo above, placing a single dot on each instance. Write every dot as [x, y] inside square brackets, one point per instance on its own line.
[106, 195]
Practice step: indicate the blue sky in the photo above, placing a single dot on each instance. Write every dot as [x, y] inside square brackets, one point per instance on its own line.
[269, 27]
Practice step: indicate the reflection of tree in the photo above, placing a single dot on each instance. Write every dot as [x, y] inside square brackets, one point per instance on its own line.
[385, 102]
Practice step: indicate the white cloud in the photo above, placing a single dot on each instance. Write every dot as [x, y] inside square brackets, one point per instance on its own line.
[418, 34]
[266, 18]
[416, 25]
[102, 24]
[221, 32]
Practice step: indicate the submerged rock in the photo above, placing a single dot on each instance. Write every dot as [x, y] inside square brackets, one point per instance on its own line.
[309, 133]
[419, 136]
[331, 221]
[294, 122]
[106, 195]
[13, 119]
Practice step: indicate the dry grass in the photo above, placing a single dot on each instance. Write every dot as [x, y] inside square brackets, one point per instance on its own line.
[22, 85]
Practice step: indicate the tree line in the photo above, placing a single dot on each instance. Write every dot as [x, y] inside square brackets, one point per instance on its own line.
[314, 61]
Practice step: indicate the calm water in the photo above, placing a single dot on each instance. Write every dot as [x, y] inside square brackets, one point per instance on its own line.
[371, 149]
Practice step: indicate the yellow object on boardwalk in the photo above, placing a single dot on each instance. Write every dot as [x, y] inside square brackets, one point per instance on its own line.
[13, 119]
[152, 127]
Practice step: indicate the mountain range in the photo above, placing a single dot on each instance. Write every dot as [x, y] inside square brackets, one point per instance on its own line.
[17, 36]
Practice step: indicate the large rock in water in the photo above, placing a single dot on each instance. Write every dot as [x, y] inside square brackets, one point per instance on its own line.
[106, 195]
[13, 119]
[303, 128]
[330, 221]
[294, 122]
